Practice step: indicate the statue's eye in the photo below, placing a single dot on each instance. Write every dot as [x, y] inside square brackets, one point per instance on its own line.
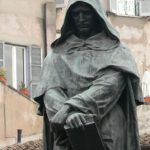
[74, 13]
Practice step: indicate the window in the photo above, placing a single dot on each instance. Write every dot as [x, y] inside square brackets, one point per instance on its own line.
[123, 7]
[130, 7]
[14, 62]
[22, 63]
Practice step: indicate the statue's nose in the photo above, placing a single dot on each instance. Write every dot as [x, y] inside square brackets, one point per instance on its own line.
[81, 17]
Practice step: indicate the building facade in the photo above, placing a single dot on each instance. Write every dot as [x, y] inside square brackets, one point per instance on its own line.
[131, 19]
[28, 28]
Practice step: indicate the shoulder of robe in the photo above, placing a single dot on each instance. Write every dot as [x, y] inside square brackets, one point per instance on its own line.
[123, 59]
[51, 56]
[123, 52]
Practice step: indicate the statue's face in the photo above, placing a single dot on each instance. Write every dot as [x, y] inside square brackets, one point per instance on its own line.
[83, 17]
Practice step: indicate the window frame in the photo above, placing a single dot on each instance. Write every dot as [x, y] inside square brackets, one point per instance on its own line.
[14, 63]
[27, 64]
[2, 60]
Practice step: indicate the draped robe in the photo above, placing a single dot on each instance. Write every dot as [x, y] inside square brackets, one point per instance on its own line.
[94, 76]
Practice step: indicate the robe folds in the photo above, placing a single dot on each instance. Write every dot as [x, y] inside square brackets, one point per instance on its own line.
[94, 76]
[95, 80]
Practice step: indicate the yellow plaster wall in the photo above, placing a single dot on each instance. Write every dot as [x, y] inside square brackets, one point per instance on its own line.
[17, 112]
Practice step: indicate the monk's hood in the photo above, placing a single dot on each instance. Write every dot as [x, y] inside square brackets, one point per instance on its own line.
[97, 5]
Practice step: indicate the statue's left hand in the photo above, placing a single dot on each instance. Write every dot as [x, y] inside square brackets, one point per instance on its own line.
[76, 120]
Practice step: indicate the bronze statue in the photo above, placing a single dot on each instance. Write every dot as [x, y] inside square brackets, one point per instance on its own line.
[89, 72]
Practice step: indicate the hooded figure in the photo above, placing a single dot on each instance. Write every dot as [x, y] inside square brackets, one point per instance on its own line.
[89, 72]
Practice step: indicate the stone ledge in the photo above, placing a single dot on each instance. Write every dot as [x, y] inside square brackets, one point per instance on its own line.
[37, 144]
[145, 140]
[31, 145]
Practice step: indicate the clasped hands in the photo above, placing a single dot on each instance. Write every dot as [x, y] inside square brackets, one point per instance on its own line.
[63, 117]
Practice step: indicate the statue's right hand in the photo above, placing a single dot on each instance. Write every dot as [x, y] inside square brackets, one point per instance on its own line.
[61, 116]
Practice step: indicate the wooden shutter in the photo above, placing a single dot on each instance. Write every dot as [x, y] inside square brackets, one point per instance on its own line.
[1, 54]
[60, 3]
[35, 67]
[144, 8]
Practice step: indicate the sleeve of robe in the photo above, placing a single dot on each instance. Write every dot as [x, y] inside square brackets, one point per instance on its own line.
[102, 95]
[49, 92]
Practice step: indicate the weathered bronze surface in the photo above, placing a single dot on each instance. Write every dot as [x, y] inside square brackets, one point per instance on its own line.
[89, 72]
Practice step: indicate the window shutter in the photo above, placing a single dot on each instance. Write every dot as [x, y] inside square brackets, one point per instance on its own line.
[130, 7]
[113, 6]
[121, 7]
[60, 3]
[144, 8]
[117, 6]
[1, 54]
[35, 67]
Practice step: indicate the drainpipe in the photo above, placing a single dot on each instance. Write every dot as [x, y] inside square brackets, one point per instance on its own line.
[50, 24]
